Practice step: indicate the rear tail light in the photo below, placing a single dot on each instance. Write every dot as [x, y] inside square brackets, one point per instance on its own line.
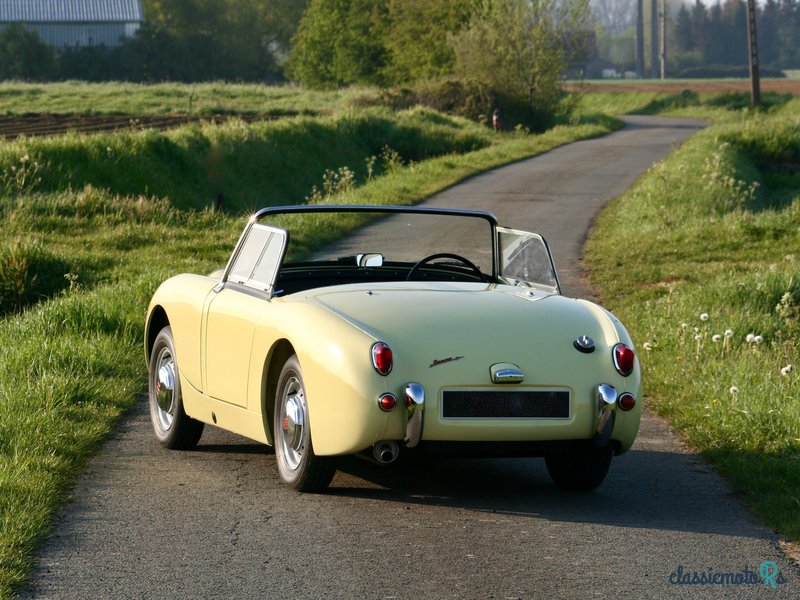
[387, 402]
[382, 358]
[626, 401]
[624, 359]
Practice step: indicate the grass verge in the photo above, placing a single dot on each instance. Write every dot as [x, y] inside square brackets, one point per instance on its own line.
[702, 262]
[79, 352]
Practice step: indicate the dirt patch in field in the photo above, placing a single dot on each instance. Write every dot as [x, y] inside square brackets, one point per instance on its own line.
[41, 124]
[779, 86]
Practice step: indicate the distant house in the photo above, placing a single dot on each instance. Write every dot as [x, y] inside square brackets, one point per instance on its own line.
[75, 23]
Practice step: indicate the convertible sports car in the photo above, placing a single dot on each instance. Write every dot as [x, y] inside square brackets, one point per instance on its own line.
[427, 330]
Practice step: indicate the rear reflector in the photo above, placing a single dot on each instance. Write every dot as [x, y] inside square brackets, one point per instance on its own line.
[387, 402]
[626, 401]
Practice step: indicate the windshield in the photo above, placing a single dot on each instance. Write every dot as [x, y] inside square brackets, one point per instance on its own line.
[398, 237]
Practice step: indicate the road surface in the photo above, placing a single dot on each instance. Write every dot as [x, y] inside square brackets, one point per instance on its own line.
[216, 522]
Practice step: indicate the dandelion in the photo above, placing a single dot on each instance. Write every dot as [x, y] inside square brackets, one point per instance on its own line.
[729, 333]
[750, 338]
[704, 317]
[758, 339]
[647, 346]
[684, 326]
[698, 338]
[734, 391]
[786, 370]
[716, 338]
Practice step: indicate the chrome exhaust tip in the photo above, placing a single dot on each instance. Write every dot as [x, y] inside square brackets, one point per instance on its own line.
[386, 451]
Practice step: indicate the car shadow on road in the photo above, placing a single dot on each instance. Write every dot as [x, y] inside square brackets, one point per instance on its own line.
[644, 489]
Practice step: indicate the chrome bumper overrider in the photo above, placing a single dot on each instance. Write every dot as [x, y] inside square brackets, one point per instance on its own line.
[606, 409]
[415, 401]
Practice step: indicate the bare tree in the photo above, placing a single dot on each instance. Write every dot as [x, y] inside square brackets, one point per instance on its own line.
[614, 16]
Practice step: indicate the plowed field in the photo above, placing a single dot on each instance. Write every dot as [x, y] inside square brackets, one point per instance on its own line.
[39, 124]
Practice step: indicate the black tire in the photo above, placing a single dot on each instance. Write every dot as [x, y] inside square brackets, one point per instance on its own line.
[298, 466]
[172, 426]
[581, 469]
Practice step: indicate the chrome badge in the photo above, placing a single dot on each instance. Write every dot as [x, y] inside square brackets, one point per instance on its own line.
[441, 361]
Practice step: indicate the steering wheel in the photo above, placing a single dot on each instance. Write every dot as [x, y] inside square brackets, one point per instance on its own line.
[461, 259]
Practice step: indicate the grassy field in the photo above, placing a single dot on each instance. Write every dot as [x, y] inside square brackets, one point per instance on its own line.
[92, 224]
[174, 98]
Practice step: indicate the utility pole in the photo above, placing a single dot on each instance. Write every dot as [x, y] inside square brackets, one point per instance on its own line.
[663, 53]
[654, 39]
[640, 39]
[752, 45]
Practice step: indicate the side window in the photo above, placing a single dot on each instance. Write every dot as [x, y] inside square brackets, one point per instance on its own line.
[525, 258]
[259, 257]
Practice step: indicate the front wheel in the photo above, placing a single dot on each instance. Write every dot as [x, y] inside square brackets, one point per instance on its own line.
[298, 466]
[581, 469]
[172, 426]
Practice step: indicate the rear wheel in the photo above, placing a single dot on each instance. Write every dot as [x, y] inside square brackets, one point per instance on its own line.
[581, 469]
[298, 466]
[172, 426]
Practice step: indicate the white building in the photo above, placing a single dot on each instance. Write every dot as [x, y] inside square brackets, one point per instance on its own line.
[74, 23]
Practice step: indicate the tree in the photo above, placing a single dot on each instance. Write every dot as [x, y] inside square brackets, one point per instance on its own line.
[249, 38]
[521, 48]
[417, 37]
[789, 33]
[339, 42]
[23, 55]
[684, 40]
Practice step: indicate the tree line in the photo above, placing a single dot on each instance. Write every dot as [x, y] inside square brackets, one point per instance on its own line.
[716, 34]
[703, 38]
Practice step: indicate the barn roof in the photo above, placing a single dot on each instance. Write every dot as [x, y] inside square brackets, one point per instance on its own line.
[70, 11]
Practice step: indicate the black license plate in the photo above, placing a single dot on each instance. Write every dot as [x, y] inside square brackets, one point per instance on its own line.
[512, 404]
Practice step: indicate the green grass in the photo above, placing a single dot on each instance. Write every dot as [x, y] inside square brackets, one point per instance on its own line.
[81, 213]
[718, 108]
[205, 99]
[708, 243]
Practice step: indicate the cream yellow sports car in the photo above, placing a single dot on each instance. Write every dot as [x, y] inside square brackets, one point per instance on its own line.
[428, 330]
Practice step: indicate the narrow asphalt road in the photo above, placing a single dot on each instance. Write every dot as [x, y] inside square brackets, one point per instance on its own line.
[216, 522]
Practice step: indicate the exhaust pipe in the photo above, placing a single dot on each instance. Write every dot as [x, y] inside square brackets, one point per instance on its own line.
[386, 451]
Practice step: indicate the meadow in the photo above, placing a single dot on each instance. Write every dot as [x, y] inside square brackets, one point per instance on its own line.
[703, 256]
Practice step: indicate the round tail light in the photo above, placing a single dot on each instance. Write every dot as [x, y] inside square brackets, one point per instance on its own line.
[387, 402]
[382, 358]
[624, 359]
[626, 401]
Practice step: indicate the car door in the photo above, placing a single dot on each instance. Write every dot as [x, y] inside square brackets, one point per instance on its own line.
[524, 259]
[234, 310]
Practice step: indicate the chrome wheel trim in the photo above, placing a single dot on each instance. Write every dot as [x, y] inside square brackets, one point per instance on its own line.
[163, 398]
[292, 423]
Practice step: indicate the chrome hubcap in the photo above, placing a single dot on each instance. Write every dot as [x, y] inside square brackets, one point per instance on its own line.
[164, 389]
[293, 423]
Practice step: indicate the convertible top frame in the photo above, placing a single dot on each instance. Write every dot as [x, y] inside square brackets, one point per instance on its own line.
[271, 211]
